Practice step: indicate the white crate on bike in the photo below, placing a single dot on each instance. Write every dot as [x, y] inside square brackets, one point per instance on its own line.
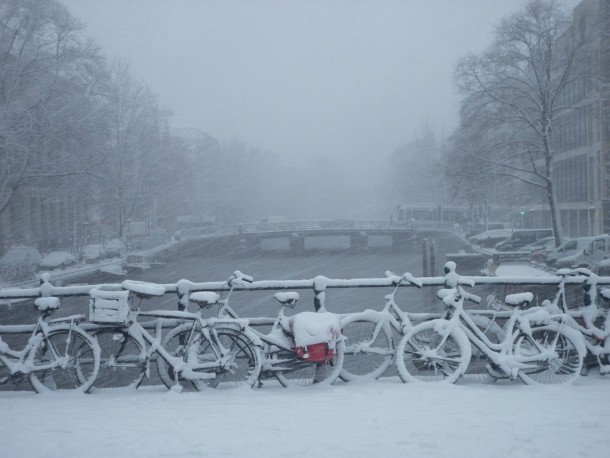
[108, 307]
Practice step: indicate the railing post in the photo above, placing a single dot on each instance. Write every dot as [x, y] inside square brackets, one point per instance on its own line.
[319, 289]
[45, 285]
[183, 288]
[433, 271]
[425, 258]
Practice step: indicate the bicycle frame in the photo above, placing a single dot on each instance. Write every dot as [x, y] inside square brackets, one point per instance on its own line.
[388, 318]
[181, 366]
[502, 354]
[280, 338]
[280, 335]
[19, 362]
[599, 336]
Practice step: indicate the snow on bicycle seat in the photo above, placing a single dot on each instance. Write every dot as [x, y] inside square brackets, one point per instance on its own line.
[519, 299]
[143, 288]
[47, 303]
[204, 298]
[287, 299]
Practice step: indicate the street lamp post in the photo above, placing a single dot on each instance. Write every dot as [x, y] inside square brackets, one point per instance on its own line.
[522, 217]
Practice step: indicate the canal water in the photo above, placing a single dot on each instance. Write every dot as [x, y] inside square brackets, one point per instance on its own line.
[331, 261]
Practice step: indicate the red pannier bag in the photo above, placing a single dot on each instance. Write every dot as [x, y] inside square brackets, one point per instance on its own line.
[318, 353]
[315, 336]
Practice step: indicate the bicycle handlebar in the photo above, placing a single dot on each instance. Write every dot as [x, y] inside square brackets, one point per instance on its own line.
[239, 278]
[472, 297]
[406, 278]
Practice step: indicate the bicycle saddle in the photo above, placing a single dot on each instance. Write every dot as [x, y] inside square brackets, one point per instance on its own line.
[288, 299]
[523, 299]
[204, 299]
[47, 304]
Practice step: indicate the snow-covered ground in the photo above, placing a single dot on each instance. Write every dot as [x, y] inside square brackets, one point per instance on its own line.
[382, 418]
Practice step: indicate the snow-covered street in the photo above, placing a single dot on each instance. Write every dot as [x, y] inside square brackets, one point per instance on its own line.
[379, 418]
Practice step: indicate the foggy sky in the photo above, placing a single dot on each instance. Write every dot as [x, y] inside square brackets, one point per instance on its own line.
[323, 77]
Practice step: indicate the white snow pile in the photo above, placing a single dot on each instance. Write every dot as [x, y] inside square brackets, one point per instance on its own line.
[311, 328]
[519, 298]
[383, 418]
[141, 287]
[47, 303]
[208, 297]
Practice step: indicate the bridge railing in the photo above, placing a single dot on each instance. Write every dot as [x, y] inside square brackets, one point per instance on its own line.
[317, 284]
[321, 225]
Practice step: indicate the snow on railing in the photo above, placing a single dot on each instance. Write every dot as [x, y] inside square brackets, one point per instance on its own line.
[318, 284]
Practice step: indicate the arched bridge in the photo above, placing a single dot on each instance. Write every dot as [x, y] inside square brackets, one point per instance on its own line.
[297, 236]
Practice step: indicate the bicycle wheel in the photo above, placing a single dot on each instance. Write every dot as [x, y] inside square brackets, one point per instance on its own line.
[237, 360]
[5, 374]
[433, 352]
[123, 359]
[71, 360]
[480, 369]
[174, 343]
[369, 348]
[566, 364]
[300, 372]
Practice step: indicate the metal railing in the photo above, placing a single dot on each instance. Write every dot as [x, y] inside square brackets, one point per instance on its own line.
[318, 284]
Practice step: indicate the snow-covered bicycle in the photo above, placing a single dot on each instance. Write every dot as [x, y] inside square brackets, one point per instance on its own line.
[369, 335]
[595, 317]
[59, 354]
[537, 347]
[199, 352]
[300, 350]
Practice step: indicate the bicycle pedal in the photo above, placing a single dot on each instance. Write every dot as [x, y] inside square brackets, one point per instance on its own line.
[604, 369]
[494, 372]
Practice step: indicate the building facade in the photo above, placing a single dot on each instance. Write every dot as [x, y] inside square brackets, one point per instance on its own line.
[581, 136]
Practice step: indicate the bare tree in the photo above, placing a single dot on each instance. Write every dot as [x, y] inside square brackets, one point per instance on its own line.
[465, 182]
[131, 145]
[47, 70]
[513, 96]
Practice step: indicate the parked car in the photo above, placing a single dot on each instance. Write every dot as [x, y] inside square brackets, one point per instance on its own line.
[522, 237]
[113, 248]
[489, 239]
[92, 253]
[480, 227]
[19, 263]
[57, 260]
[580, 252]
[568, 248]
[540, 249]
[539, 244]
